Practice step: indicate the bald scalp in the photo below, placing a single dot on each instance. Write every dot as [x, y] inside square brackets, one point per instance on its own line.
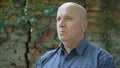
[76, 7]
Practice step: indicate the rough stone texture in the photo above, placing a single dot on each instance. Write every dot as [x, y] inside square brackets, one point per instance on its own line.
[101, 32]
[12, 55]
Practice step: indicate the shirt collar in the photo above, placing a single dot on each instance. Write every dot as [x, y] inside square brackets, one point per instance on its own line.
[80, 48]
[60, 48]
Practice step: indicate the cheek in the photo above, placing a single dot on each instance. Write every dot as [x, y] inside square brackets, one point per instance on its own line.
[76, 29]
[57, 27]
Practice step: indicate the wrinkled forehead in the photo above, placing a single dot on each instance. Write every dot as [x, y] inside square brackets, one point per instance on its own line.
[71, 8]
[67, 11]
[67, 7]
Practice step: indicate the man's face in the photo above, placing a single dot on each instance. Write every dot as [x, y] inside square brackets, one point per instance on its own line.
[69, 24]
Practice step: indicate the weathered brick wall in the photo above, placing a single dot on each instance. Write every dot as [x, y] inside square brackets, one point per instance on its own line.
[103, 29]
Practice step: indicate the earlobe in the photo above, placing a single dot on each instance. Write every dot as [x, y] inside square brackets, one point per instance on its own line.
[85, 23]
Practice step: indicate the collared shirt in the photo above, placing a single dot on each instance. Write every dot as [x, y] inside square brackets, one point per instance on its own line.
[85, 55]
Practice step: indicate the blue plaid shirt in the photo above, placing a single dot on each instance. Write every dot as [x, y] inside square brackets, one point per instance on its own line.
[85, 55]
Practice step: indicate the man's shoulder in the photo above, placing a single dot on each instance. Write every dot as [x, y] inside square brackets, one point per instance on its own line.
[45, 57]
[100, 51]
[48, 54]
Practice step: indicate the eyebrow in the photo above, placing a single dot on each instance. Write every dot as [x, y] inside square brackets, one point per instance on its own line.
[67, 16]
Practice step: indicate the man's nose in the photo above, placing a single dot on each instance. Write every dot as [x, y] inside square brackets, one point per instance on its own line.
[62, 23]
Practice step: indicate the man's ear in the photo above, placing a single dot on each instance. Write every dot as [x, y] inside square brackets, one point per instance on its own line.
[85, 23]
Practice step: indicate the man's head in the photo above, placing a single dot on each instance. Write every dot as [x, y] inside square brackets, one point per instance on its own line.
[71, 21]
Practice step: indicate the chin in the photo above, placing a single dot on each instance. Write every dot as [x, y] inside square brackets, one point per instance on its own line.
[62, 38]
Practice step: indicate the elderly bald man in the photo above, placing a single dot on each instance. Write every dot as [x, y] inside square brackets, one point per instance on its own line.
[74, 51]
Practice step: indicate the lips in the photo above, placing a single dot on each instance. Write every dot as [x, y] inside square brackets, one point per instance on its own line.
[62, 32]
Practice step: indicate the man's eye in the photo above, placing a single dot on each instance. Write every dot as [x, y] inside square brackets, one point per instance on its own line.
[69, 18]
[58, 19]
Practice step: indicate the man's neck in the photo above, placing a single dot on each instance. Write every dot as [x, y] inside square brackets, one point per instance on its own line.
[69, 45]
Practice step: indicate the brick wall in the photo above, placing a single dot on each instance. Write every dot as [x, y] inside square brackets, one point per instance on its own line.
[19, 49]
